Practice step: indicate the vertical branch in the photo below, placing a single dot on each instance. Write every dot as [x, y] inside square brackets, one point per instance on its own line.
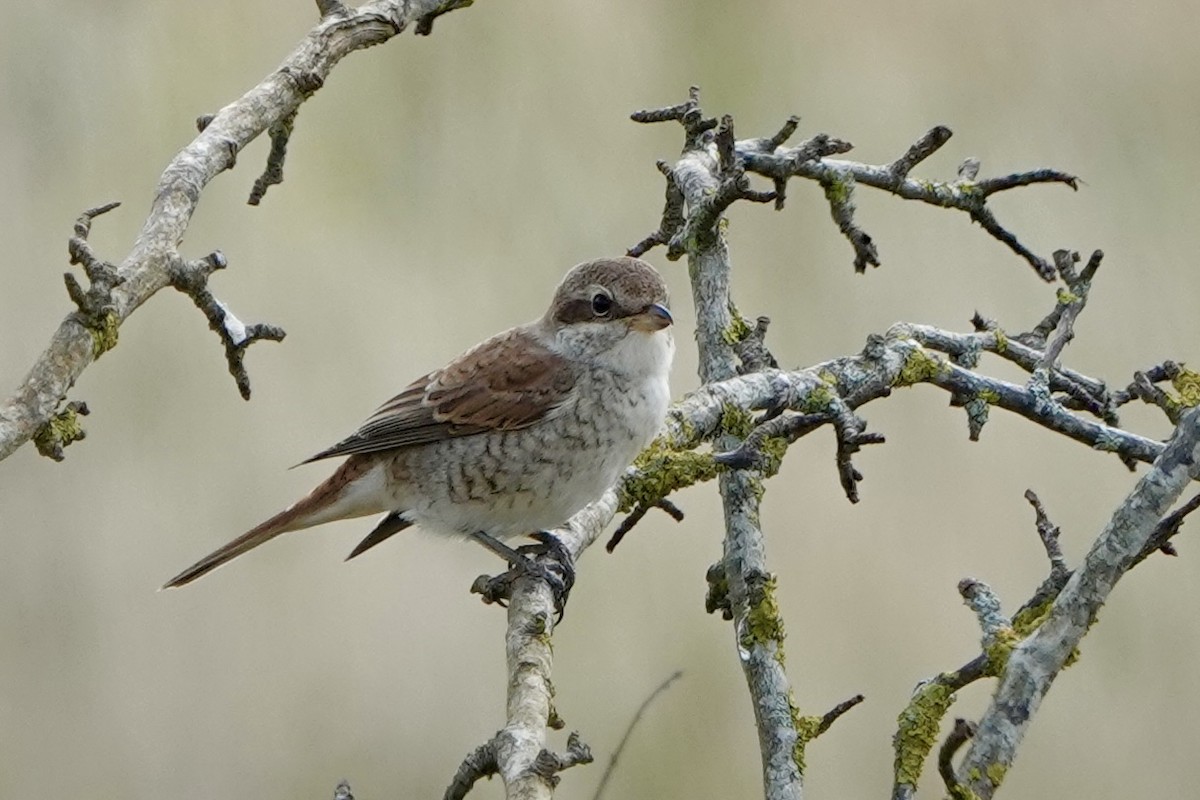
[710, 177]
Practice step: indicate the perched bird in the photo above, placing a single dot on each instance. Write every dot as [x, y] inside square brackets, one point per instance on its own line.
[513, 436]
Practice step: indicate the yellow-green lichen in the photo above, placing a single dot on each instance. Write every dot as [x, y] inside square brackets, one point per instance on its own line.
[763, 622]
[999, 649]
[772, 451]
[996, 773]
[818, 400]
[807, 729]
[1066, 297]
[738, 328]
[1001, 341]
[988, 396]
[838, 189]
[104, 333]
[736, 421]
[962, 792]
[661, 471]
[919, 367]
[1028, 620]
[59, 431]
[1187, 383]
[917, 730]
[970, 189]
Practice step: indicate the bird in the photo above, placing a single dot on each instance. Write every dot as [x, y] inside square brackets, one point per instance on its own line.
[514, 435]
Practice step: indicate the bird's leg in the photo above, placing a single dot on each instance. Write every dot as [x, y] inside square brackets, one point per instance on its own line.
[554, 565]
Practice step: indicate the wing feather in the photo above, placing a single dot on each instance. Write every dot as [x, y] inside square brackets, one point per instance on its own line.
[508, 382]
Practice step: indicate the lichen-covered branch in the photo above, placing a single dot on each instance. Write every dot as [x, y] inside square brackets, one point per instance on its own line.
[118, 292]
[710, 177]
[919, 722]
[1035, 662]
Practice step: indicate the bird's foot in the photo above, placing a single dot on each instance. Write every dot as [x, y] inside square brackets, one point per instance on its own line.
[548, 560]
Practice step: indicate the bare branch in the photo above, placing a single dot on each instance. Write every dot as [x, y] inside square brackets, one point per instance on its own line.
[920, 150]
[191, 278]
[627, 524]
[960, 735]
[146, 269]
[834, 714]
[768, 157]
[479, 763]
[519, 748]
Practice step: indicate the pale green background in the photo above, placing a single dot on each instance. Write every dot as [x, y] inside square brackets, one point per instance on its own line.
[436, 190]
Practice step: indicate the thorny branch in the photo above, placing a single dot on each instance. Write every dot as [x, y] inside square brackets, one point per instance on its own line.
[117, 290]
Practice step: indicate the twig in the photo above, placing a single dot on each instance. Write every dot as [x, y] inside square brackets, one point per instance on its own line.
[1048, 532]
[627, 524]
[549, 764]
[272, 174]
[637, 717]
[1071, 304]
[834, 714]
[962, 732]
[986, 605]
[191, 278]
[479, 763]
[1160, 541]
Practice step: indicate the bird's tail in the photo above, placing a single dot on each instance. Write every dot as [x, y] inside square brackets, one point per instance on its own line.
[342, 496]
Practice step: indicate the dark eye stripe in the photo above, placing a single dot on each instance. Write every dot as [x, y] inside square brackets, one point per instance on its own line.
[579, 310]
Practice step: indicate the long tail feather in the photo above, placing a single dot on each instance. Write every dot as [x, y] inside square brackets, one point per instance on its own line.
[321, 505]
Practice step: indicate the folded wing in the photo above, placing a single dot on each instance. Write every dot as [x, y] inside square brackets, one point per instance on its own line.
[508, 382]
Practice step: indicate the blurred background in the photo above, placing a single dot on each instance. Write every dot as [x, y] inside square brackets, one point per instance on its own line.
[435, 192]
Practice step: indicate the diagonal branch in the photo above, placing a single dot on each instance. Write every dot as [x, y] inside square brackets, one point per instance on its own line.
[146, 268]
[1035, 662]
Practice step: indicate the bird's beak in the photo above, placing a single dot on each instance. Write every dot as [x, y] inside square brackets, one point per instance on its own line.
[653, 318]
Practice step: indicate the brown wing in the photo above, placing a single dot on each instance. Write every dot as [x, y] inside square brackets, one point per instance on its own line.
[508, 382]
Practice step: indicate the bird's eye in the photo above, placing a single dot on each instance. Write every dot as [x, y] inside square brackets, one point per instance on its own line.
[601, 304]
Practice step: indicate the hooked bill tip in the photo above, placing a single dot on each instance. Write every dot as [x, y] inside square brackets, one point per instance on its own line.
[655, 317]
